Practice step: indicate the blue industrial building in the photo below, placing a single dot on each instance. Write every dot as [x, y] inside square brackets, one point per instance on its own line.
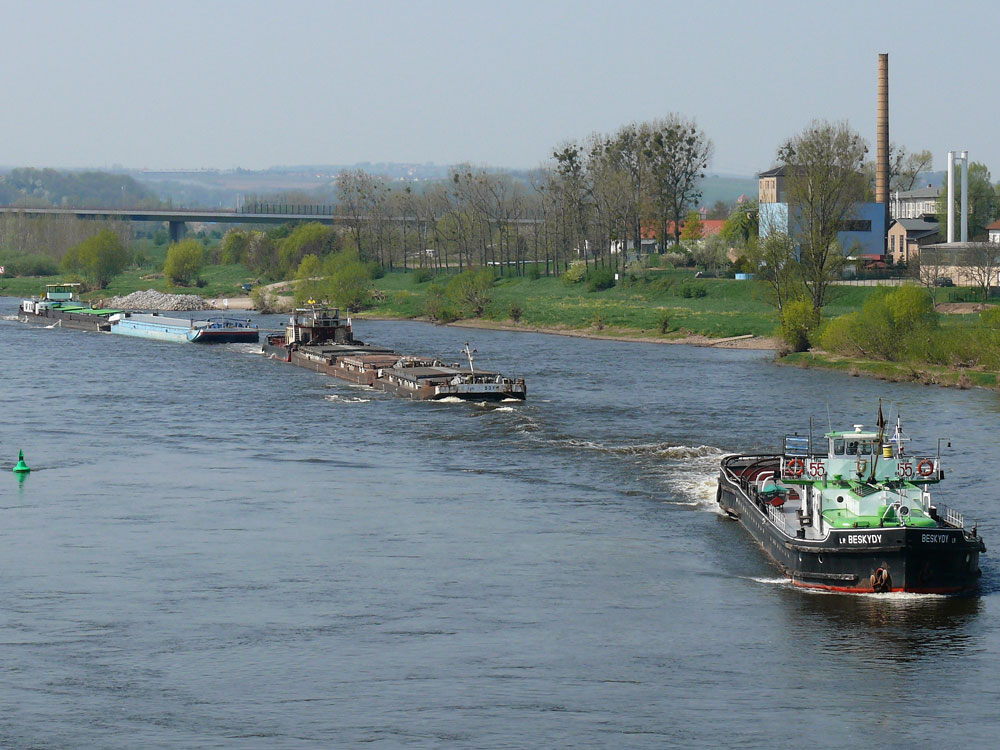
[863, 236]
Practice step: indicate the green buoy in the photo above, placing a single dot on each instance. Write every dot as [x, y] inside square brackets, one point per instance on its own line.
[21, 468]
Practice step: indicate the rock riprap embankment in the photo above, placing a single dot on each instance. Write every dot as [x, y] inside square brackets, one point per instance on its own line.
[154, 300]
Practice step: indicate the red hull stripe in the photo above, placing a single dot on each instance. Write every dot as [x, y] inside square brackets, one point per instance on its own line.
[895, 590]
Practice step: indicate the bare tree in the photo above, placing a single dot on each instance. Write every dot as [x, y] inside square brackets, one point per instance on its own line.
[825, 180]
[982, 260]
[350, 194]
[930, 269]
[677, 153]
[906, 167]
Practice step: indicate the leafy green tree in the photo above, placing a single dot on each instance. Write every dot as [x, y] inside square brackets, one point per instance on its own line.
[261, 253]
[798, 321]
[693, 228]
[348, 281]
[825, 180]
[891, 325]
[234, 247]
[99, 258]
[185, 260]
[305, 239]
[742, 225]
[310, 286]
[471, 289]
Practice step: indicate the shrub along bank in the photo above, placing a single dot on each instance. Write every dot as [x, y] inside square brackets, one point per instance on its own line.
[898, 335]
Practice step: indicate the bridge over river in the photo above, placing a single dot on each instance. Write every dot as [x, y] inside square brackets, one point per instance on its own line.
[177, 218]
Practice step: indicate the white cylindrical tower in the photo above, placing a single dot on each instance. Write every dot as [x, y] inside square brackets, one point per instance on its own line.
[964, 220]
[951, 196]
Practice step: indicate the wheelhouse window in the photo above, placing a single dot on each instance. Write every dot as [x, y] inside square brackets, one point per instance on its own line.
[838, 447]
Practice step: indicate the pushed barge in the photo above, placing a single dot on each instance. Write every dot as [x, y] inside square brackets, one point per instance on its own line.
[319, 339]
[854, 516]
[60, 308]
[182, 330]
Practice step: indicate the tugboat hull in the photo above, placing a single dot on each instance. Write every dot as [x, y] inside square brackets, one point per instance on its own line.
[941, 560]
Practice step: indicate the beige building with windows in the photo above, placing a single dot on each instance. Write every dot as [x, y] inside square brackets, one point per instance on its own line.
[907, 236]
[771, 186]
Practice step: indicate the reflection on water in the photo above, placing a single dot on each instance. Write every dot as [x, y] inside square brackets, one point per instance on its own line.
[897, 626]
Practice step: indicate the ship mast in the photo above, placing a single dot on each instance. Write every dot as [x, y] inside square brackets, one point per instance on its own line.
[468, 353]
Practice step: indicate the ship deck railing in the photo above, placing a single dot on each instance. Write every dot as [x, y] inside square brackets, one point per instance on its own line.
[951, 516]
[777, 517]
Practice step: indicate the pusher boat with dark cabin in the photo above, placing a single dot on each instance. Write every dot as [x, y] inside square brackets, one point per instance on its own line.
[317, 338]
[853, 514]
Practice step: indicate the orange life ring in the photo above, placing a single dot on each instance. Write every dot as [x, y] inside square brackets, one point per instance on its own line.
[925, 468]
[795, 467]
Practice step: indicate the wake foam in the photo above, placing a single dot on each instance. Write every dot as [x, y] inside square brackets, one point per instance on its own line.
[772, 581]
[244, 348]
[689, 472]
[346, 399]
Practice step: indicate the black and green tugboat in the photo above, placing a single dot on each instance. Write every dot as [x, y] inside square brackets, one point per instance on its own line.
[852, 512]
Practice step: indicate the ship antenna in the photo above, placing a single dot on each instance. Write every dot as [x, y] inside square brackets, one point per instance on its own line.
[829, 421]
[877, 448]
[469, 353]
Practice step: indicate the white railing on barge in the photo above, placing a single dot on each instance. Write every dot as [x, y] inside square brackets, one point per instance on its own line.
[777, 517]
[952, 517]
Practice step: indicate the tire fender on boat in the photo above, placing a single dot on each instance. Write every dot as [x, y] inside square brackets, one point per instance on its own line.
[881, 582]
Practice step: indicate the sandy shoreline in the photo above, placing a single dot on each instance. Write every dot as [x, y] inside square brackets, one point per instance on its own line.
[736, 342]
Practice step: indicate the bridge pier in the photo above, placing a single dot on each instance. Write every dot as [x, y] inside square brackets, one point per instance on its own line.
[177, 230]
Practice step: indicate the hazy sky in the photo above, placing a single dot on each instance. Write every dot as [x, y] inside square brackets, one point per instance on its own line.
[255, 84]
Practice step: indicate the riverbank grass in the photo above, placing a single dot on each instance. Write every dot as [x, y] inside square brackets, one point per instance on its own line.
[727, 308]
[895, 372]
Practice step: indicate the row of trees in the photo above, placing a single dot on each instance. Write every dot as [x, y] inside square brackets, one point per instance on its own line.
[589, 203]
[51, 236]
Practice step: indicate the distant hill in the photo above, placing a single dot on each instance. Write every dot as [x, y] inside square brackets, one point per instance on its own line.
[220, 188]
[727, 188]
[50, 187]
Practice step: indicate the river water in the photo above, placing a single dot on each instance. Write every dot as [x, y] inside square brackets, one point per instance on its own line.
[218, 550]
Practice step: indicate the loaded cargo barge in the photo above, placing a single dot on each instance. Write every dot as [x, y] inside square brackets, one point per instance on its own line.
[853, 514]
[319, 339]
[60, 308]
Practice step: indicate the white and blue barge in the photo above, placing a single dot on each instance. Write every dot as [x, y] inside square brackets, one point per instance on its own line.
[183, 330]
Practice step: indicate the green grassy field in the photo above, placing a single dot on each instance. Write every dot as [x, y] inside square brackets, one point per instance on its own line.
[634, 308]
[729, 308]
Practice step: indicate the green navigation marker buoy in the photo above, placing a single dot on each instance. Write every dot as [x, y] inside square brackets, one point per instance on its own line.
[21, 468]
